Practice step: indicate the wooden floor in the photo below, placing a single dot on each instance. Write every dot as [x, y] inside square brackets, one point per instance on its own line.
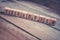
[30, 30]
[42, 31]
[10, 32]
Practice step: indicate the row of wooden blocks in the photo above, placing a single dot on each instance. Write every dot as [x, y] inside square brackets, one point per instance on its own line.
[30, 16]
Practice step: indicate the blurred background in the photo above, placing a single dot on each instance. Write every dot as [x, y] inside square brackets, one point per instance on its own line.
[53, 4]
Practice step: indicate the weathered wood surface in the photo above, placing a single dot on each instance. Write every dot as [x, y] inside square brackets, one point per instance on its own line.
[10, 32]
[53, 4]
[40, 30]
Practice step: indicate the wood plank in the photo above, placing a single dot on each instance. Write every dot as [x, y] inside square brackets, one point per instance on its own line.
[10, 32]
[38, 29]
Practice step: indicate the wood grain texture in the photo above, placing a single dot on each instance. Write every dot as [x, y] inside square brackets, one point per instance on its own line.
[53, 4]
[38, 29]
[9, 32]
